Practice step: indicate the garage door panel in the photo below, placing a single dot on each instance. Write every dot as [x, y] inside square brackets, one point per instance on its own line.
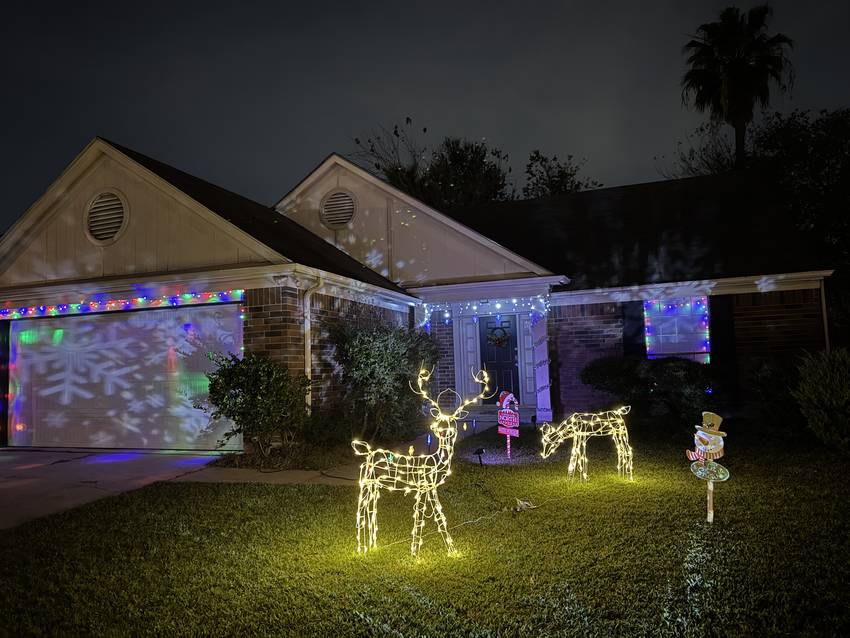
[119, 379]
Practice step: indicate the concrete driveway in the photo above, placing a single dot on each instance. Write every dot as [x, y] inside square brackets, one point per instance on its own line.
[36, 483]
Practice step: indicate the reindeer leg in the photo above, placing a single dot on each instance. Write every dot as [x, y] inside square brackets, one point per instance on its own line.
[621, 454]
[419, 506]
[363, 516]
[440, 519]
[374, 495]
[627, 449]
[582, 461]
[574, 454]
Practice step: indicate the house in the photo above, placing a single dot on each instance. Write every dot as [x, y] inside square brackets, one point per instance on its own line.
[120, 278]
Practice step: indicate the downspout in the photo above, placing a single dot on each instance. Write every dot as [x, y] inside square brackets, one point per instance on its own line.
[824, 315]
[308, 338]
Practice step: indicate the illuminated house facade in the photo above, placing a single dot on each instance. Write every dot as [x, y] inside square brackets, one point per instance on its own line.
[116, 282]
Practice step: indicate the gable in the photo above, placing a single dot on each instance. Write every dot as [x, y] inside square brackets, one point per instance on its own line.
[165, 231]
[398, 237]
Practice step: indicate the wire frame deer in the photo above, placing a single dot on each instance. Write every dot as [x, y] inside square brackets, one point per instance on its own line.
[421, 474]
[580, 427]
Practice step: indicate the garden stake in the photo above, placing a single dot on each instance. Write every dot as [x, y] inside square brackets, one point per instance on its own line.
[708, 445]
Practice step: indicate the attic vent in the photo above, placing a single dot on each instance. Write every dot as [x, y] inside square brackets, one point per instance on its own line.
[105, 217]
[338, 209]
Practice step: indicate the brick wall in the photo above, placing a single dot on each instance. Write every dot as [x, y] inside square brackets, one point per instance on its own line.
[777, 323]
[274, 325]
[577, 335]
[444, 374]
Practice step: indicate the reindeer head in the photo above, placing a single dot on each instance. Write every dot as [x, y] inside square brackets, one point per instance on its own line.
[445, 423]
[553, 436]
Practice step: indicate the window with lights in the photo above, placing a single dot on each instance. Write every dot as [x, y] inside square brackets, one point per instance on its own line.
[677, 327]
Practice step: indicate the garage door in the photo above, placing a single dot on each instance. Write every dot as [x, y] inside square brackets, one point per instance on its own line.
[121, 379]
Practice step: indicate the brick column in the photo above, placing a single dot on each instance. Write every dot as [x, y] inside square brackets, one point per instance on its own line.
[444, 374]
[274, 326]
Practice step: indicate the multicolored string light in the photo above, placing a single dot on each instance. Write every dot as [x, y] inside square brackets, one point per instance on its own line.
[697, 335]
[130, 303]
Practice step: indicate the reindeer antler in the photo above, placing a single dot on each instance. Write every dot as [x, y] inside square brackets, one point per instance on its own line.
[422, 378]
[479, 377]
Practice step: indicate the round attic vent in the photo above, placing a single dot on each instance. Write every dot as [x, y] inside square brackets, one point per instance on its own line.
[105, 217]
[337, 210]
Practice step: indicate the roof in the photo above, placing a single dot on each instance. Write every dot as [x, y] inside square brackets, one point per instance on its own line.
[265, 224]
[335, 159]
[692, 229]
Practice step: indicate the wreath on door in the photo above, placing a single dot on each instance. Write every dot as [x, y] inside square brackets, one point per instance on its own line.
[498, 337]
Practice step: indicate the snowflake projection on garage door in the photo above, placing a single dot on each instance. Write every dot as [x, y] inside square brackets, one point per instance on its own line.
[119, 379]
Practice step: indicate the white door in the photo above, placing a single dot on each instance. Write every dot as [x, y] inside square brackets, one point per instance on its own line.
[118, 380]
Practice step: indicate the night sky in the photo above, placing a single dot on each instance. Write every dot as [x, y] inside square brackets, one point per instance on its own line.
[252, 96]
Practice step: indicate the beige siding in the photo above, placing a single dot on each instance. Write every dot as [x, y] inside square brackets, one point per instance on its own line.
[397, 240]
[162, 235]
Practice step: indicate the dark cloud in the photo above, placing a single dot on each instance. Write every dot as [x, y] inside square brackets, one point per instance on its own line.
[253, 95]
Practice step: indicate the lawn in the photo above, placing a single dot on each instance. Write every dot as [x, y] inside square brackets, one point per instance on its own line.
[604, 558]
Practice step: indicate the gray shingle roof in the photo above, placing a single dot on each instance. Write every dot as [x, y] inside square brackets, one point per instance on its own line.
[265, 224]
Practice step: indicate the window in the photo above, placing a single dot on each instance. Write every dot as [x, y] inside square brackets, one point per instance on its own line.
[677, 327]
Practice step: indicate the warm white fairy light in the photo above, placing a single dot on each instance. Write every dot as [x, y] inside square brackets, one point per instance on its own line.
[422, 474]
[580, 427]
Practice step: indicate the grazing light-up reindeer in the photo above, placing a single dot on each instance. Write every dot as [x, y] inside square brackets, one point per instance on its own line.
[580, 427]
[422, 474]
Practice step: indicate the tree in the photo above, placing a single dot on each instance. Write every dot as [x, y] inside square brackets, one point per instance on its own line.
[458, 173]
[463, 174]
[399, 156]
[547, 176]
[706, 151]
[805, 158]
[732, 63]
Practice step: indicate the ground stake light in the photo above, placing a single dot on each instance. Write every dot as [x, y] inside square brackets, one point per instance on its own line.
[422, 474]
[580, 427]
[708, 446]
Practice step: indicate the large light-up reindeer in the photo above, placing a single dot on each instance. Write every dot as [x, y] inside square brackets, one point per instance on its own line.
[421, 474]
[580, 427]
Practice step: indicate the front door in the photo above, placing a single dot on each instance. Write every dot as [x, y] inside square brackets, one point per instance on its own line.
[499, 354]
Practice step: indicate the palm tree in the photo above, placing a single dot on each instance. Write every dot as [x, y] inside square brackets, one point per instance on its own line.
[732, 63]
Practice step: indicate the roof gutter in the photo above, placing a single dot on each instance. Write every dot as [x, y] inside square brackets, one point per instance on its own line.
[308, 340]
[709, 287]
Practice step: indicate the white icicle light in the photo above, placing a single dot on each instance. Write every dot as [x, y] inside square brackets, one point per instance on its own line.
[422, 474]
[580, 427]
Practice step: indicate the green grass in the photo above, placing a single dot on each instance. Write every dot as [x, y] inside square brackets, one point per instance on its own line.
[605, 558]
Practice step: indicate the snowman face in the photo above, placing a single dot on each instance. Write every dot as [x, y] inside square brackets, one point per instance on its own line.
[708, 443]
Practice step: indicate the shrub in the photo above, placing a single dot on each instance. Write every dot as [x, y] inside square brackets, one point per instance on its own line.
[378, 360]
[259, 396]
[769, 382]
[823, 394]
[679, 389]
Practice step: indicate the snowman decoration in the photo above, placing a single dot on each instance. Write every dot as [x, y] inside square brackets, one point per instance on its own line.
[708, 446]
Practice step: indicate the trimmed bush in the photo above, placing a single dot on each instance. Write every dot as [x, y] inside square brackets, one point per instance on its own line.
[260, 396]
[823, 394]
[677, 389]
[377, 362]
